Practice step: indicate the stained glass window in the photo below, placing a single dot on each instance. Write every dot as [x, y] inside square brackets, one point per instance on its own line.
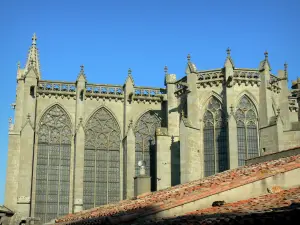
[246, 130]
[101, 160]
[215, 138]
[53, 165]
[145, 144]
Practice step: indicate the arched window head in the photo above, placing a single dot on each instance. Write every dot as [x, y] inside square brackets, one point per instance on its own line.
[53, 165]
[145, 144]
[101, 183]
[247, 135]
[215, 138]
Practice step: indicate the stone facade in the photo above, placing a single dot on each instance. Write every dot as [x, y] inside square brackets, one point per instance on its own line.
[76, 145]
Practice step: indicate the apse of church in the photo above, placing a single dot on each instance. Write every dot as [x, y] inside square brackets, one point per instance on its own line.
[76, 145]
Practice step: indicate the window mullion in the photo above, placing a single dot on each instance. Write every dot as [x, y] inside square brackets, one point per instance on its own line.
[95, 176]
[215, 147]
[47, 183]
[107, 167]
[246, 139]
[59, 176]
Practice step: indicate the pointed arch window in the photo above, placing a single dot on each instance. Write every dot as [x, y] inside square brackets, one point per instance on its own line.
[145, 144]
[101, 180]
[53, 165]
[247, 135]
[215, 138]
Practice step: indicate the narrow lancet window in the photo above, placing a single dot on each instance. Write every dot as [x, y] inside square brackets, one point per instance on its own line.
[32, 91]
[247, 135]
[215, 138]
[145, 144]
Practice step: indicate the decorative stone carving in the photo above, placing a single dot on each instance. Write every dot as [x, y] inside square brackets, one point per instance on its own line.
[23, 200]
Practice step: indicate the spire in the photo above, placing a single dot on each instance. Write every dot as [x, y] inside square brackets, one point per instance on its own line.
[191, 67]
[129, 77]
[81, 74]
[33, 57]
[265, 63]
[229, 60]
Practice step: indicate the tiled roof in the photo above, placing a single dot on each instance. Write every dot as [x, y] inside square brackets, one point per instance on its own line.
[255, 209]
[152, 203]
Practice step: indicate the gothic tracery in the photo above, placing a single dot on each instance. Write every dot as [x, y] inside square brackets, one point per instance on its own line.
[215, 138]
[101, 160]
[246, 130]
[53, 164]
[145, 143]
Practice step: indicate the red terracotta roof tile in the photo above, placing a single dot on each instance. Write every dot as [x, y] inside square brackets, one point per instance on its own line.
[184, 193]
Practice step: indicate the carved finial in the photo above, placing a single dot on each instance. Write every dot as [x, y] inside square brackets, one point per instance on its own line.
[166, 69]
[82, 69]
[266, 54]
[19, 65]
[129, 72]
[285, 66]
[228, 50]
[34, 38]
[28, 116]
[189, 57]
[10, 121]
[285, 69]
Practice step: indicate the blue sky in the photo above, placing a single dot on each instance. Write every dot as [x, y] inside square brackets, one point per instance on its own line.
[108, 37]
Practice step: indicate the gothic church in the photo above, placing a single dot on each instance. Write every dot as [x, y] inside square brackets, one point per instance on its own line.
[76, 145]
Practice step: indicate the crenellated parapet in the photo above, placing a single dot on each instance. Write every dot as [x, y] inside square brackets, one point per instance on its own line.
[148, 94]
[104, 91]
[248, 77]
[210, 78]
[56, 89]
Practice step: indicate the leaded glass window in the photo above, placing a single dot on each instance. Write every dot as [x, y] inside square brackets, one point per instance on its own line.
[247, 136]
[215, 138]
[101, 160]
[53, 165]
[145, 144]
